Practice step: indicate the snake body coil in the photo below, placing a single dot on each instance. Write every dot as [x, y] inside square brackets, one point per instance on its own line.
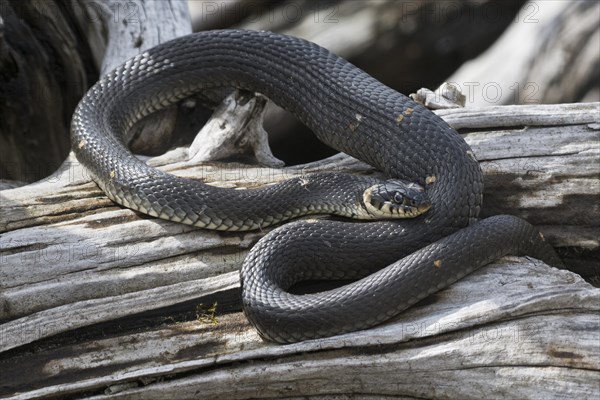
[348, 110]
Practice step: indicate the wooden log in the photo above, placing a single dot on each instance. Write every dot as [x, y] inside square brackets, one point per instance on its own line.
[75, 266]
[513, 329]
[556, 64]
[51, 52]
[99, 249]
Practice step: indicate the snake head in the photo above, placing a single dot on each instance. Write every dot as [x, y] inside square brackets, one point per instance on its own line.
[395, 198]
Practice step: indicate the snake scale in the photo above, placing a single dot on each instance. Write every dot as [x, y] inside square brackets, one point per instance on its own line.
[394, 263]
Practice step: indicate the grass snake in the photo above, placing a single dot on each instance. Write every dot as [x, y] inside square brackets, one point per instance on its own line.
[394, 263]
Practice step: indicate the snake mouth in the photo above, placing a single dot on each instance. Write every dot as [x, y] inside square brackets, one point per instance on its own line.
[395, 198]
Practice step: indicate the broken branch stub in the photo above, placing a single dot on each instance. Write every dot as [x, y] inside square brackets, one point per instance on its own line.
[235, 129]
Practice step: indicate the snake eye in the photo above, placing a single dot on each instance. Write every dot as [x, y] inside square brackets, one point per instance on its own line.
[398, 198]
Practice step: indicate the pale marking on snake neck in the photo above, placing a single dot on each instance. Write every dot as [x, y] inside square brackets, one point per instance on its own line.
[82, 143]
[408, 111]
[311, 220]
[437, 263]
[354, 125]
[430, 179]
[399, 119]
[471, 155]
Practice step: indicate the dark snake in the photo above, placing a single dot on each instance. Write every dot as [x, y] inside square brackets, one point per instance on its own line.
[394, 263]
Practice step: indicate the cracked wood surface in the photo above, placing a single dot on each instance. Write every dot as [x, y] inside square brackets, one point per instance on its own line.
[536, 337]
[102, 300]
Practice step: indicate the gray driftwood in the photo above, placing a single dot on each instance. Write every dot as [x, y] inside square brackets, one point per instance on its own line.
[548, 55]
[76, 267]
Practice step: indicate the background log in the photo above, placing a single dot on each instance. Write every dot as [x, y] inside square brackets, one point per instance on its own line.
[556, 64]
[51, 51]
[44, 71]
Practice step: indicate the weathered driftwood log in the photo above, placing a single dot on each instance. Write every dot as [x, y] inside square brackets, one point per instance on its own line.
[76, 267]
[536, 337]
[556, 64]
